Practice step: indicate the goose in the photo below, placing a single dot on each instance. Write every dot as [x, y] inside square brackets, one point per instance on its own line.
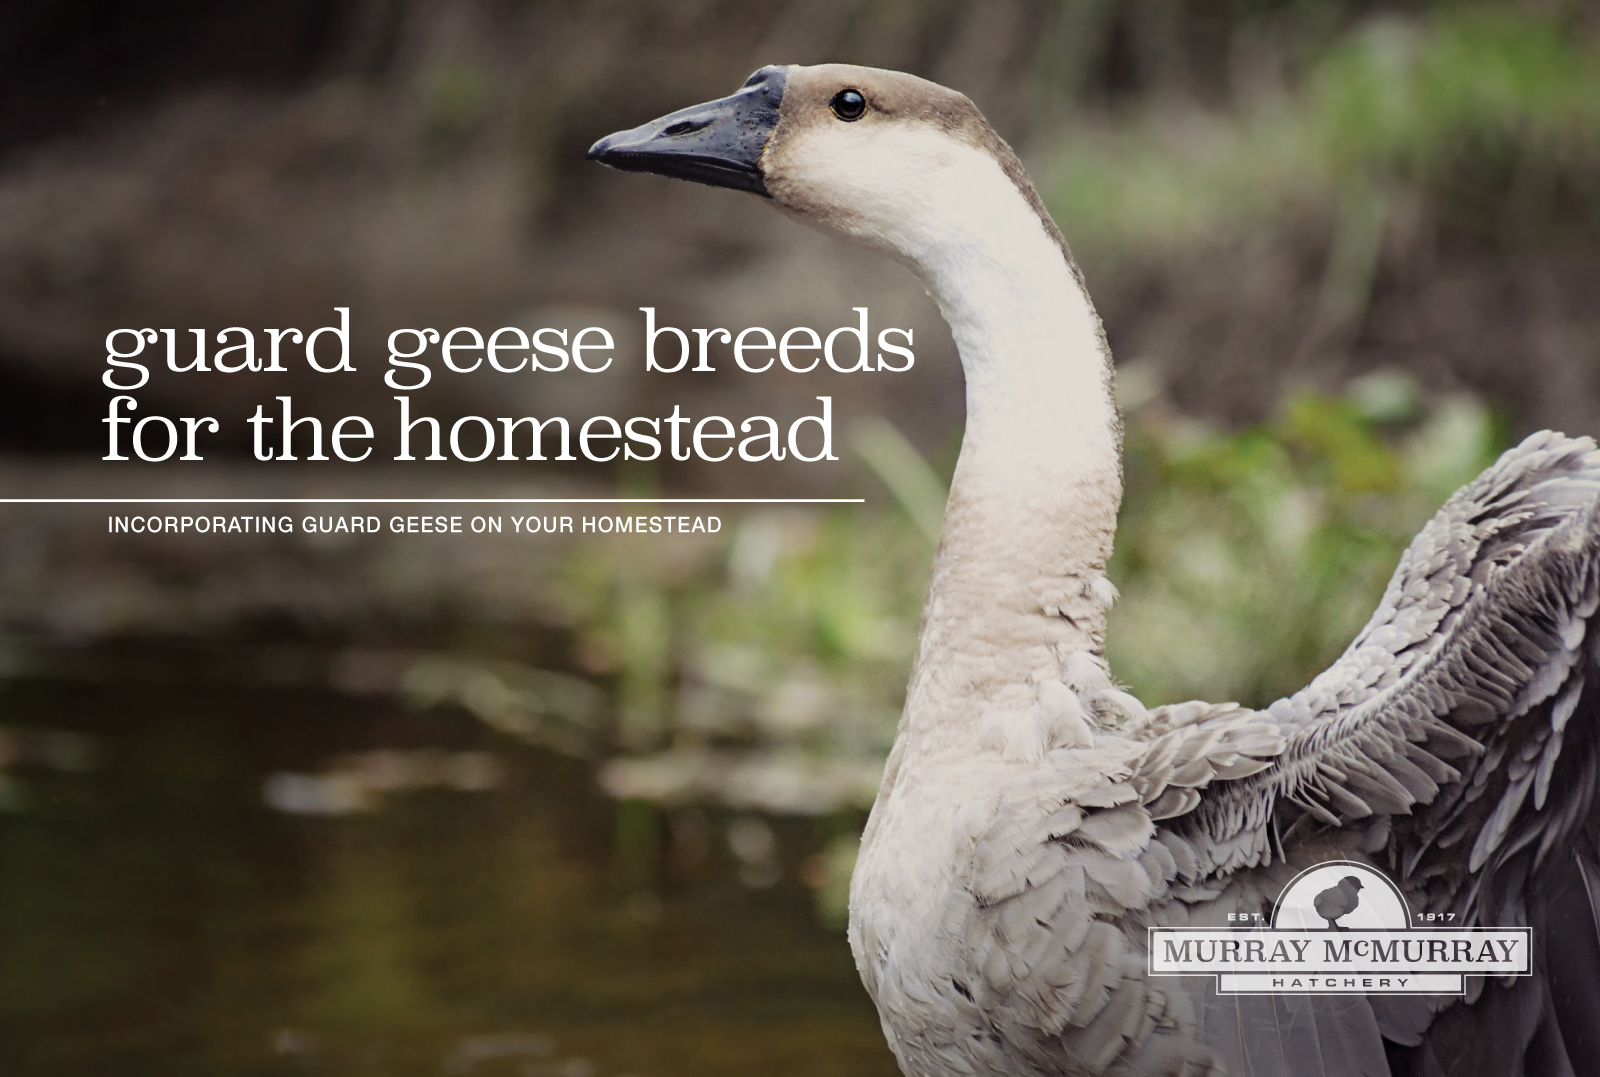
[1034, 819]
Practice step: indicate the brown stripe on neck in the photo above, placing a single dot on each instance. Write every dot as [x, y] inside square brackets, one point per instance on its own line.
[896, 96]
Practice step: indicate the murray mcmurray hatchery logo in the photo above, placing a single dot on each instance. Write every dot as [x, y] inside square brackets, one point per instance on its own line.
[1341, 928]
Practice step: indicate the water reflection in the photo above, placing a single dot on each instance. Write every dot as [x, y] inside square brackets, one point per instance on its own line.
[179, 894]
[359, 781]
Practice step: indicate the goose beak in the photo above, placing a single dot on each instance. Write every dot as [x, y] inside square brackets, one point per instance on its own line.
[719, 143]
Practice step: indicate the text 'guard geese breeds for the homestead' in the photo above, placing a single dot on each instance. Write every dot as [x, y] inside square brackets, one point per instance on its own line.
[1034, 822]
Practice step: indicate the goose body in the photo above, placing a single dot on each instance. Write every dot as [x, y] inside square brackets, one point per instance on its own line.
[1034, 820]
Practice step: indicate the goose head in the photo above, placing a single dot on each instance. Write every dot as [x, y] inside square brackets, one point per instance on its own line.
[882, 158]
[912, 169]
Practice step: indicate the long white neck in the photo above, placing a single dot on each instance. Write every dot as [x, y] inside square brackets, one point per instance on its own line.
[1018, 581]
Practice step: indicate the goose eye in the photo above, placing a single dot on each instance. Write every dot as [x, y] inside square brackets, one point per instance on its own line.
[848, 104]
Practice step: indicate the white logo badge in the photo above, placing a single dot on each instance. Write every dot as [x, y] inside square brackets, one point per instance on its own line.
[1340, 928]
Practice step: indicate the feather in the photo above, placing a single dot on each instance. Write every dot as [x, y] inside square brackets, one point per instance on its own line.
[1182, 853]
[1377, 788]
[1174, 802]
[1059, 823]
[1107, 796]
[1001, 870]
[1419, 784]
[1122, 832]
[1494, 831]
[1347, 802]
[1124, 881]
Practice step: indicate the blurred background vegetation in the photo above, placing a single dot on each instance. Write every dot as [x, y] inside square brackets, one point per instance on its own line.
[512, 805]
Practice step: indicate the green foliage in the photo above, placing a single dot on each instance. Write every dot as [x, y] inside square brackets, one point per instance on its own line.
[454, 99]
[1247, 561]
[1479, 108]
[786, 647]
[1410, 100]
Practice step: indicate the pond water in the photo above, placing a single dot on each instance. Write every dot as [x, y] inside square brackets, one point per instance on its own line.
[263, 882]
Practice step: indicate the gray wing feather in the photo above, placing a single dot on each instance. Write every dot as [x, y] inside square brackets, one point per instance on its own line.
[1453, 711]
[1457, 729]
[1461, 731]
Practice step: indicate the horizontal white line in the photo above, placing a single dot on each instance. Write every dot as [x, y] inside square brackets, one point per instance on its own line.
[432, 500]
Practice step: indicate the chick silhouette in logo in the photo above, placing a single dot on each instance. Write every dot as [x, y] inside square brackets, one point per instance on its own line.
[1340, 899]
[1341, 895]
